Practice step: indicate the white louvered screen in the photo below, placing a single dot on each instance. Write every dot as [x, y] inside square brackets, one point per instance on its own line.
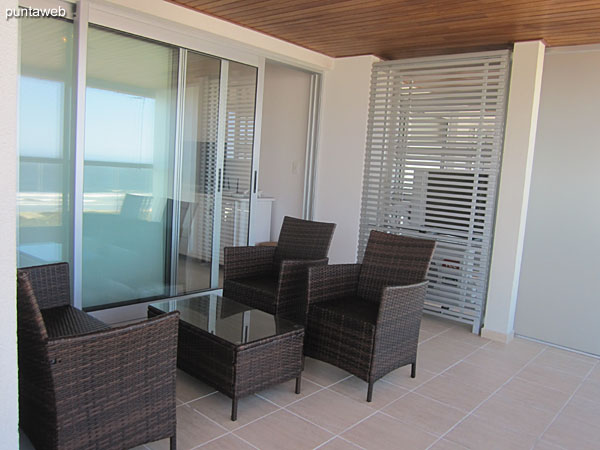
[434, 143]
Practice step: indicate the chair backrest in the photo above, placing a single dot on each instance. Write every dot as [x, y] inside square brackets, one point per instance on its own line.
[303, 239]
[393, 260]
[30, 322]
[50, 283]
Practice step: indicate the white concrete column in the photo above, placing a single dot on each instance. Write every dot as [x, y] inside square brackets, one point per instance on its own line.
[341, 152]
[9, 436]
[513, 196]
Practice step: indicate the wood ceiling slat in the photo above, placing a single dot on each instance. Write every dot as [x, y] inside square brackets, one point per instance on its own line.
[404, 28]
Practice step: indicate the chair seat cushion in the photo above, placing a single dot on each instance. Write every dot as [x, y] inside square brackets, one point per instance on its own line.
[65, 321]
[257, 292]
[351, 307]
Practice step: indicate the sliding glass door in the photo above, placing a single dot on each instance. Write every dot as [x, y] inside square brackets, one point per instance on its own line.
[167, 173]
[199, 178]
[45, 150]
[216, 167]
[129, 152]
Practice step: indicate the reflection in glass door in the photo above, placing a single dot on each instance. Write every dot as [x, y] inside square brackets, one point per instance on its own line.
[198, 173]
[129, 153]
[167, 163]
[45, 156]
[216, 167]
[237, 158]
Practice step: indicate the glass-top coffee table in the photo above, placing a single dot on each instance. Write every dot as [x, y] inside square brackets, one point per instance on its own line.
[233, 347]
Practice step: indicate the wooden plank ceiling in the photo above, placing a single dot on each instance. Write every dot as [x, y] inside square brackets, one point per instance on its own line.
[395, 29]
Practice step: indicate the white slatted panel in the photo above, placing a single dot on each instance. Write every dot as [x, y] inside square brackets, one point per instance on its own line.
[434, 142]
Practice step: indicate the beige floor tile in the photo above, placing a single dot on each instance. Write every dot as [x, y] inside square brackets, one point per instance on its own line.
[227, 442]
[322, 373]
[425, 335]
[285, 393]
[584, 410]
[518, 351]
[454, 392]
[571, 433]
[589, 390]
[192, 430]
[339, 444]
[283, 430]
[500, 362]
[331, 410]
[384, 432]
[565, 361]
[356, 389]
[436, 325]
[401, 377]
[190, 388]
[518, 346]
[595, 375]
[517, 416]
[551, 378]
[478, 375]
[424, 413]
[543, 445]
[463, 333]
[218, 408]
[437, 354]
[444, 444]
[519, 390]
[476, 433]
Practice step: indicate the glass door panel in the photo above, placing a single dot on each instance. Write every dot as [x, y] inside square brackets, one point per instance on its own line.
[128, 171]
[45, 155]
[237, 163]
[198, 172]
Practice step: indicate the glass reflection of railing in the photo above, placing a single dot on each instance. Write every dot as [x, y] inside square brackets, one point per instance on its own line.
[39, 208]
[37, 205]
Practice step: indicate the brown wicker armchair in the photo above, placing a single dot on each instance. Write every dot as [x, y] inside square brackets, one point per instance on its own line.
[83, 384]
[273, 279]
[365, 318]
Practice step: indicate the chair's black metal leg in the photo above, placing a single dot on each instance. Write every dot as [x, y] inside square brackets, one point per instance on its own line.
[173, 443]
[234, 405]
[370, 391]
[298, 384]
[413, 370]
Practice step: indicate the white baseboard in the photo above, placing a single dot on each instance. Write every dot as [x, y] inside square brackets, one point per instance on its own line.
[497, 336]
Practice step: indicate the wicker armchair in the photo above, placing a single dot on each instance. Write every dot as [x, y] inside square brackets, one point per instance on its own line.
[365, 318]
[83, 384]
[273, 279]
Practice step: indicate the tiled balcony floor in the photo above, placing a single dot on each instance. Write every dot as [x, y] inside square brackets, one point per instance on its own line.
[469, 393]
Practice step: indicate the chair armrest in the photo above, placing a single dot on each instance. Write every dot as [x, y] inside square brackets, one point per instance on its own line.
[401, 301]
[291, 287]
[400, 311]
[245, 262]
[331, 282]
[117, 370]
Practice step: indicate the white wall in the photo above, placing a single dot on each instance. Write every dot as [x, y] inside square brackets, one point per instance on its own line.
[341, 152]
[558, 298]
[9, 438]
[283, 141]
[513, 191]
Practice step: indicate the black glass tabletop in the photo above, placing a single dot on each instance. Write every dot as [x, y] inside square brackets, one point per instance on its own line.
[227, 319]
